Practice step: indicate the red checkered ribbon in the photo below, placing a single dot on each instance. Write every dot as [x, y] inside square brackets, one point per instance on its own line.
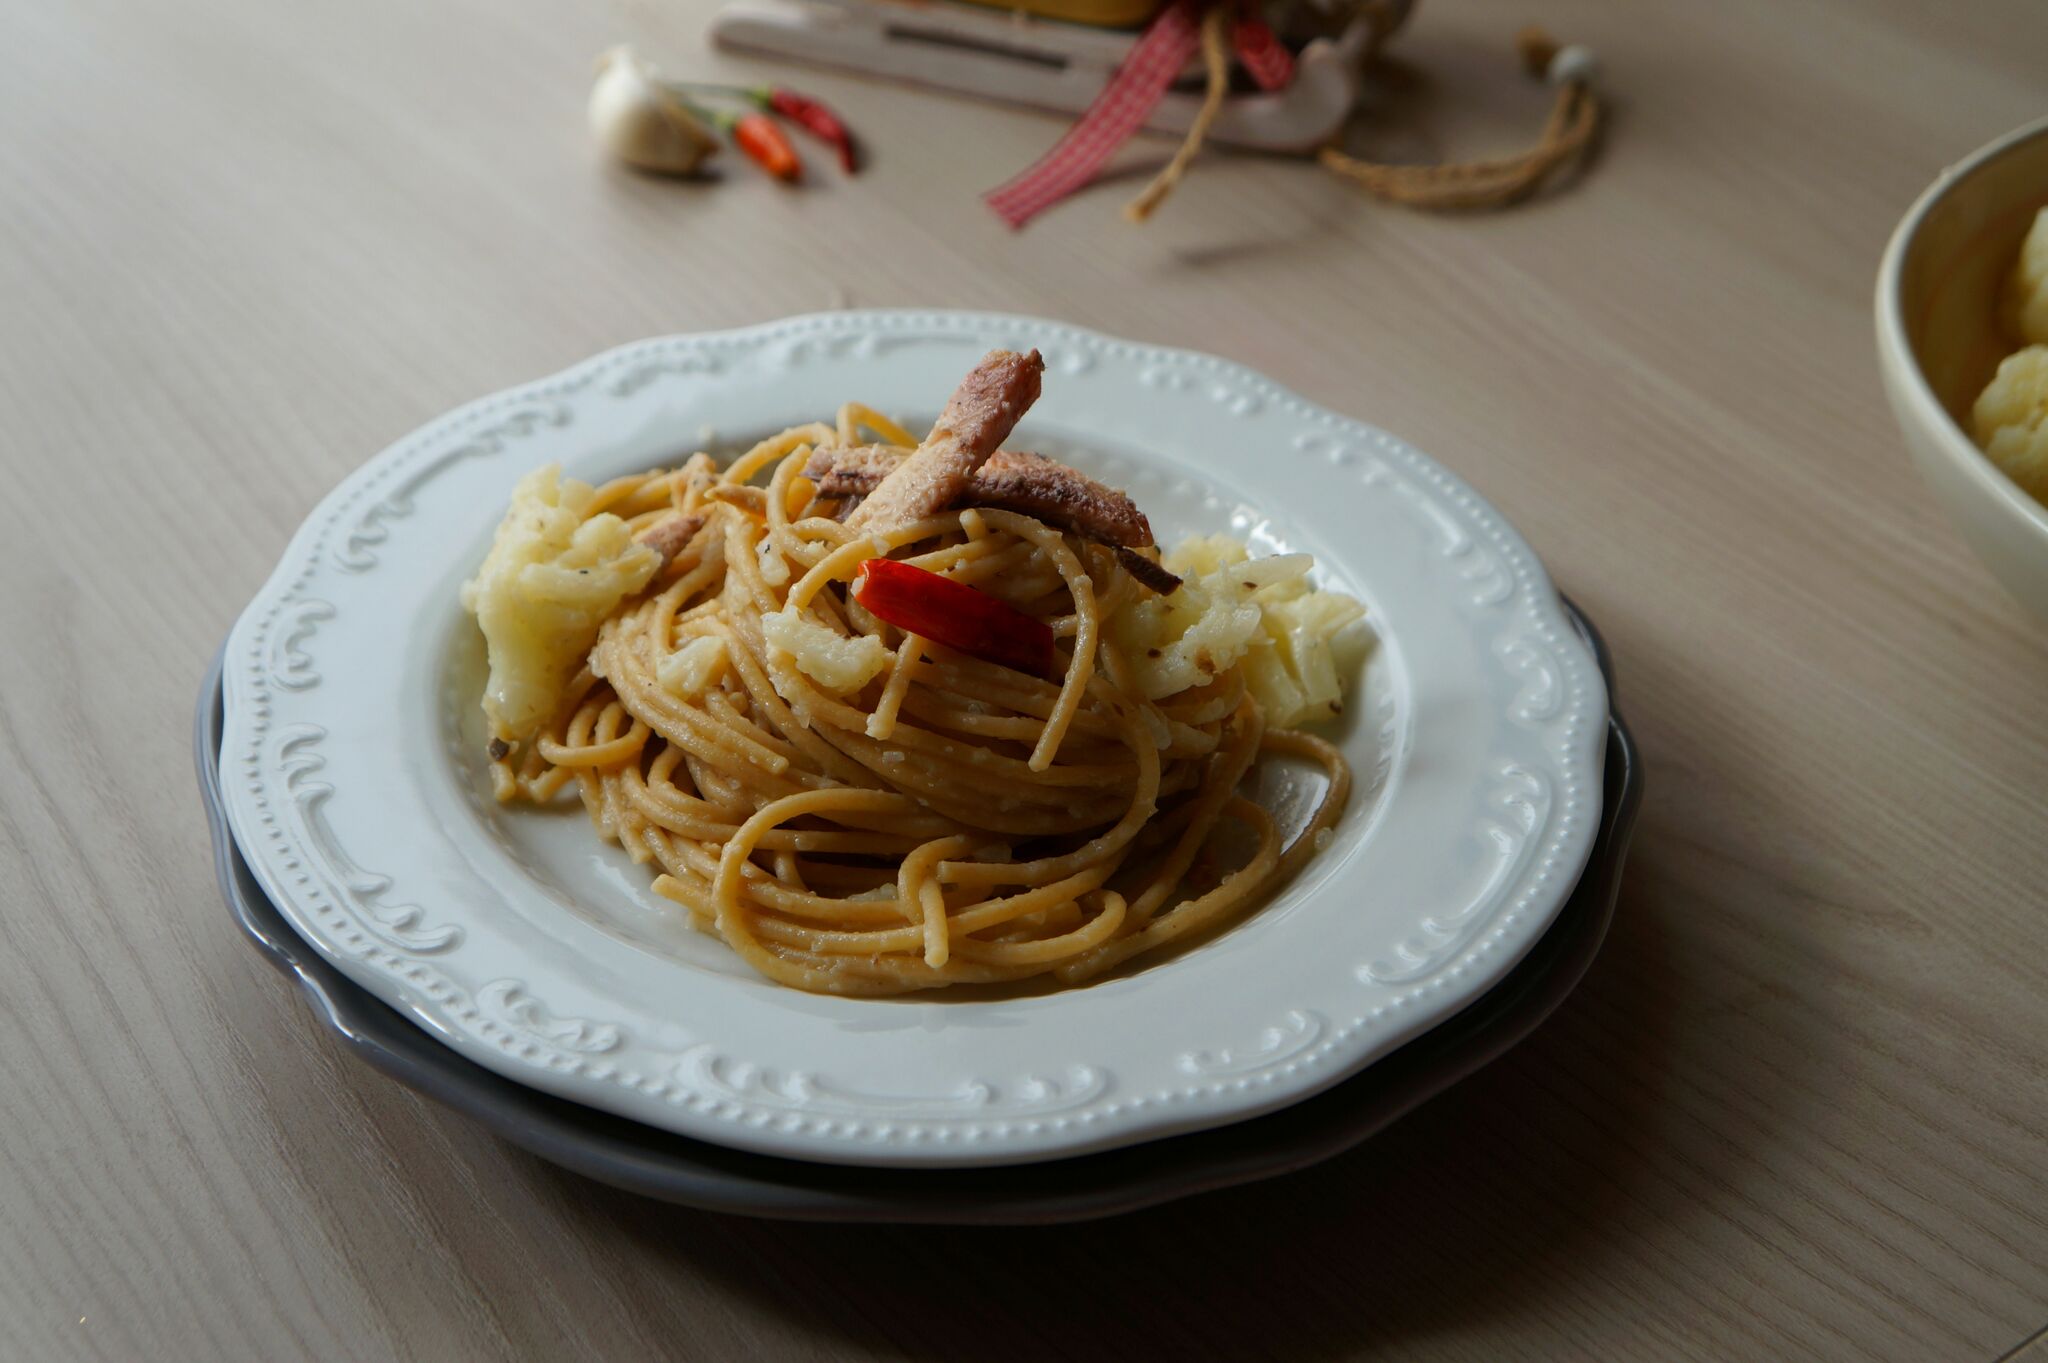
[1120, 110]
[1161, 54]
[1259, 50]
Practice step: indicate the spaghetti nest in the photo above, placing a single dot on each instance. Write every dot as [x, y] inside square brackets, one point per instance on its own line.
[944, 821]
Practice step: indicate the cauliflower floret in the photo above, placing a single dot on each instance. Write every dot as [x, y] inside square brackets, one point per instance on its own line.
[553, 574]
[2011, 418]
[1231, 608]
[840, 663]
[694, 668]
[1200, 555]
[774, 568]
[1307, 632]
[2026, 289]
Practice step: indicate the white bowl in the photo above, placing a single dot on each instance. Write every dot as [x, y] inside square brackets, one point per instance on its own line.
[1938, 343]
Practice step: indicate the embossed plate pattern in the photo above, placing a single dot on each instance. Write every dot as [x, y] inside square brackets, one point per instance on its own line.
[352, 785]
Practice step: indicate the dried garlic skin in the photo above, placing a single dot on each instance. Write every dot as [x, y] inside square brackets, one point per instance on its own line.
[640, 122]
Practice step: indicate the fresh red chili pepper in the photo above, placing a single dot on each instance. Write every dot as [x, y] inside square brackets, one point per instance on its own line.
[812, 116]
[759, 137]
[756, 134]
[809, 114]
[954, 614]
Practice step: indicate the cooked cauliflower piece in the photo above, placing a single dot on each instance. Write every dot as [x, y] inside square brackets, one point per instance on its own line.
[2011, 418]
[553, 574]
[2026, 289]
[1233, 607]
[694, 668]
[840, 663]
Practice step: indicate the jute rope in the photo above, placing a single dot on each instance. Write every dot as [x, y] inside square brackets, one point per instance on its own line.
[1573, 124]
[1216, 57]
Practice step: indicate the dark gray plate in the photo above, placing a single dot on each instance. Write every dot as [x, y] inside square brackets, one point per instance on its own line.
[675, 1168]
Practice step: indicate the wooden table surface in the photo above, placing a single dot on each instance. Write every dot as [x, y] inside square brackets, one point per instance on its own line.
[1798, 1108]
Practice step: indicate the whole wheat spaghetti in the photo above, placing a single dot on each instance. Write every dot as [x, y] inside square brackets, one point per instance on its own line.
[856, 807]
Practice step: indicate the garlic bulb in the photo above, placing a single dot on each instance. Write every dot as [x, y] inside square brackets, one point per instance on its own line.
[641, 123]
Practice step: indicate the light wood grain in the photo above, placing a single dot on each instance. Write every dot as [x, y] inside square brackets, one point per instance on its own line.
[1799, 1107]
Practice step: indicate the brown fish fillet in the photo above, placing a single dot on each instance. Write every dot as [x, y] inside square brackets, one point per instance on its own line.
[1011, 480]
[978, 418]
[1015, 481]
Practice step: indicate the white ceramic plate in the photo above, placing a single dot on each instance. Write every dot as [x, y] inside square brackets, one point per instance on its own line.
[353, 773]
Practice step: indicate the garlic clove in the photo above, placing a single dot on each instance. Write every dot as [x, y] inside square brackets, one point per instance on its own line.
[641, 123]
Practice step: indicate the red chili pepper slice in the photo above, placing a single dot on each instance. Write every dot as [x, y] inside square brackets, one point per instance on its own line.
[954, 614]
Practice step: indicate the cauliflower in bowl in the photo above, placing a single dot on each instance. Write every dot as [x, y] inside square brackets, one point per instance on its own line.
[2011, 419]
[2026, 289]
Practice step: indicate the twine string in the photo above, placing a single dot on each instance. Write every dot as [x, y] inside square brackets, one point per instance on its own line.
[1571, 128]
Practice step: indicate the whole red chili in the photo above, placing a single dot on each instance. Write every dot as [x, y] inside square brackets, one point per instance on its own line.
[954, 614]
[812, 116]
[759, 137]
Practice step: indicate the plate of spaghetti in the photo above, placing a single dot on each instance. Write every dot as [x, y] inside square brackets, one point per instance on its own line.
[913, 738]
